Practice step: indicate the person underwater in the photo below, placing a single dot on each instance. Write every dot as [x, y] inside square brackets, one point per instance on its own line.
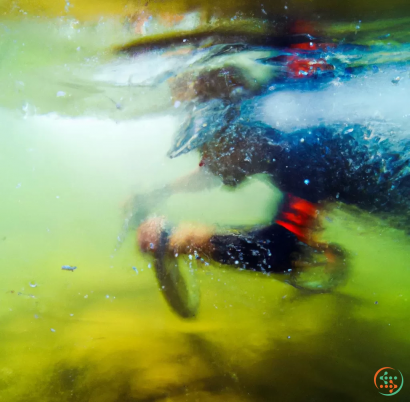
[340, 161]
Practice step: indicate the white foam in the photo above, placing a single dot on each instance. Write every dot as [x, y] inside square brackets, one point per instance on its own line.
[366, 99]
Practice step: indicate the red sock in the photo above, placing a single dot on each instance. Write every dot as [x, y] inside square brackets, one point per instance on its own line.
[299, 217]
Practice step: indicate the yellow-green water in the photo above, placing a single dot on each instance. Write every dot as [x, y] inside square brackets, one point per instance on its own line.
[104, 333]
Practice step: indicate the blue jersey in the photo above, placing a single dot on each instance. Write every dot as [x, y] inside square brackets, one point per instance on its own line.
[347, 163]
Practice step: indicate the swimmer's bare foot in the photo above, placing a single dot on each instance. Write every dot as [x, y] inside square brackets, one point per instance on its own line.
[333, 269]
[328, 255]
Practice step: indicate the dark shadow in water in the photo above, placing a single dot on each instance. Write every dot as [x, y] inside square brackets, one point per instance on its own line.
[337, 364]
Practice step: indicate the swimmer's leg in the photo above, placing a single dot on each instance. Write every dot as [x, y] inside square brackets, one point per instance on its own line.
[276, 250]
[270, 249]
[290, 245]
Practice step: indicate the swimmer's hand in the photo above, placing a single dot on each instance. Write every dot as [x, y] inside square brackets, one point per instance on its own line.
[137, 208]
[176, 281]
[140, 206]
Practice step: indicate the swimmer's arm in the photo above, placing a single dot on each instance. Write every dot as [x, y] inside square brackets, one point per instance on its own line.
[198, 180]
[138, 207]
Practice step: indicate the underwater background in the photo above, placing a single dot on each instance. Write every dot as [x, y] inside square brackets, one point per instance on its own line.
[76, 141]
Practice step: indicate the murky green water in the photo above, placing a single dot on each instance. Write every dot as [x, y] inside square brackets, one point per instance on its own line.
[73, 147]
